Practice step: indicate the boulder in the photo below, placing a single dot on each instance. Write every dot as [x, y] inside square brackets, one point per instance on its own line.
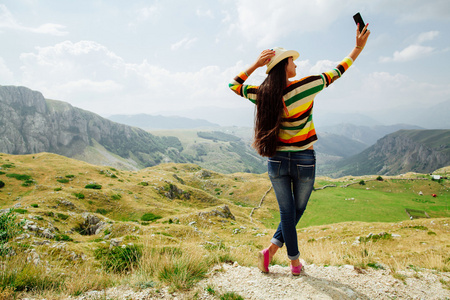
[222, 211]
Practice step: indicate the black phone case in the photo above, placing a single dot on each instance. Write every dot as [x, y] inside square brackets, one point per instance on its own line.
[358, 20]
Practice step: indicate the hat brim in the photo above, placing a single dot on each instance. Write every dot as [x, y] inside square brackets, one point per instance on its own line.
[280, 57]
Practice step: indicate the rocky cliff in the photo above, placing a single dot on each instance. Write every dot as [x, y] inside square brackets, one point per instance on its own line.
[30, 124]
[420, 151]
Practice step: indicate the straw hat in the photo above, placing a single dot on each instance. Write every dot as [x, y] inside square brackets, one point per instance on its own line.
[280, 54]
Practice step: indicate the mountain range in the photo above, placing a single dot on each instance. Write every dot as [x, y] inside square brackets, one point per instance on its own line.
[403, 151]
[146, 121]
[29, 123]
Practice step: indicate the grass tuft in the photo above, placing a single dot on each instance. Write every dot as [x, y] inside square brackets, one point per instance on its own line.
[149, 217]
[119, 259]
[19, 275]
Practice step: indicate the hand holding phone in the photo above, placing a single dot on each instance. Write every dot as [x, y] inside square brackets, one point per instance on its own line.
[358, 20]
[362, 35]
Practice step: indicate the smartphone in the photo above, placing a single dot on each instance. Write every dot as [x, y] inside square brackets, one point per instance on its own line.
[358, 20]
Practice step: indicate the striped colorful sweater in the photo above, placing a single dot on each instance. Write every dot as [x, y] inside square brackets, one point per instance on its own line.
[297, 130]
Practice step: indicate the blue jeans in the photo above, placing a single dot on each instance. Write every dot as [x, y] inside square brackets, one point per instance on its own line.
[292, 175]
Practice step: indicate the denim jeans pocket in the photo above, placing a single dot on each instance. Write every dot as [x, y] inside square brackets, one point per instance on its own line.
[305, 173]
[273, 167]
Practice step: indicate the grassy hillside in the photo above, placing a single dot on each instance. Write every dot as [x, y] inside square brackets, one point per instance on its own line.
[167, 225]
[218, 151]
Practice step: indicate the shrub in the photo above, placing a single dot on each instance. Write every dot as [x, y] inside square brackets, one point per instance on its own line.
[375, 266]
[230, 296]
[101, 211]
[19, 176]
[63, 237]
[28, 182]
[116, 197]
[376, 237]
[20, 211]
[63, 180]
[150, 217]
[34, 205]
[379, 178]
[144, 183]
[8, 230]
[62, 216]
[79, 195]
[181, 271]
[70, 176]
[93, 186]
[2, 184]
[418, 227]
[362, 182]
[119, 259]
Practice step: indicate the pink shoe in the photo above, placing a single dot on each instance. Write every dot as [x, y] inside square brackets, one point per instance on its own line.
[263, 260]
[296, 270]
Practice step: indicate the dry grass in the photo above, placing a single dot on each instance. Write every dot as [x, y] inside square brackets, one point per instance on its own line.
[409, 246]
[180, 248]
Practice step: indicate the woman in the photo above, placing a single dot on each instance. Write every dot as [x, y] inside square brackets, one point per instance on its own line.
[284, 132]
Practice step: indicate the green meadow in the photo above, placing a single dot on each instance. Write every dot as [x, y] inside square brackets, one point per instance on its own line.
[375, 201]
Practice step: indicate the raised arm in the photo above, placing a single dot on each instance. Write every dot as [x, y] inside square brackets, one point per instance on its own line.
[237, 84]
[262, 60]
[361, 39]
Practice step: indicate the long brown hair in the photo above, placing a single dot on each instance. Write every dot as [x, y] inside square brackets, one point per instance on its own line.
[269, 110]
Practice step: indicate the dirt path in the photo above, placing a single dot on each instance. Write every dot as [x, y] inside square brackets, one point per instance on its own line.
[315, 282]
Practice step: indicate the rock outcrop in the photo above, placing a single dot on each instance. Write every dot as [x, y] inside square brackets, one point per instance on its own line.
[31, 124]
[421, 151]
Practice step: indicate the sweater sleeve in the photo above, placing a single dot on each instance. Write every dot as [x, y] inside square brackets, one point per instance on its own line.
[330, 76]
[247, 91]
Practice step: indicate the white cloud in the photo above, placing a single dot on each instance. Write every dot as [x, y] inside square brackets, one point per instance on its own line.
[322, 66]
[413, 11]
[393, 90]
[412, 52]
[265, 21]
[185, 43]
[89, 75]
[427, 36]
[147, 12]
[8, 21]
[82, 56]
[106, 86]
[49, 28]
[205, 13]
[226, 17]
[380, 92]
[6, 76]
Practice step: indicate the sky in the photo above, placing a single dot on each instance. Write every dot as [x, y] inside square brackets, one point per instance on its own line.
[173, 57]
